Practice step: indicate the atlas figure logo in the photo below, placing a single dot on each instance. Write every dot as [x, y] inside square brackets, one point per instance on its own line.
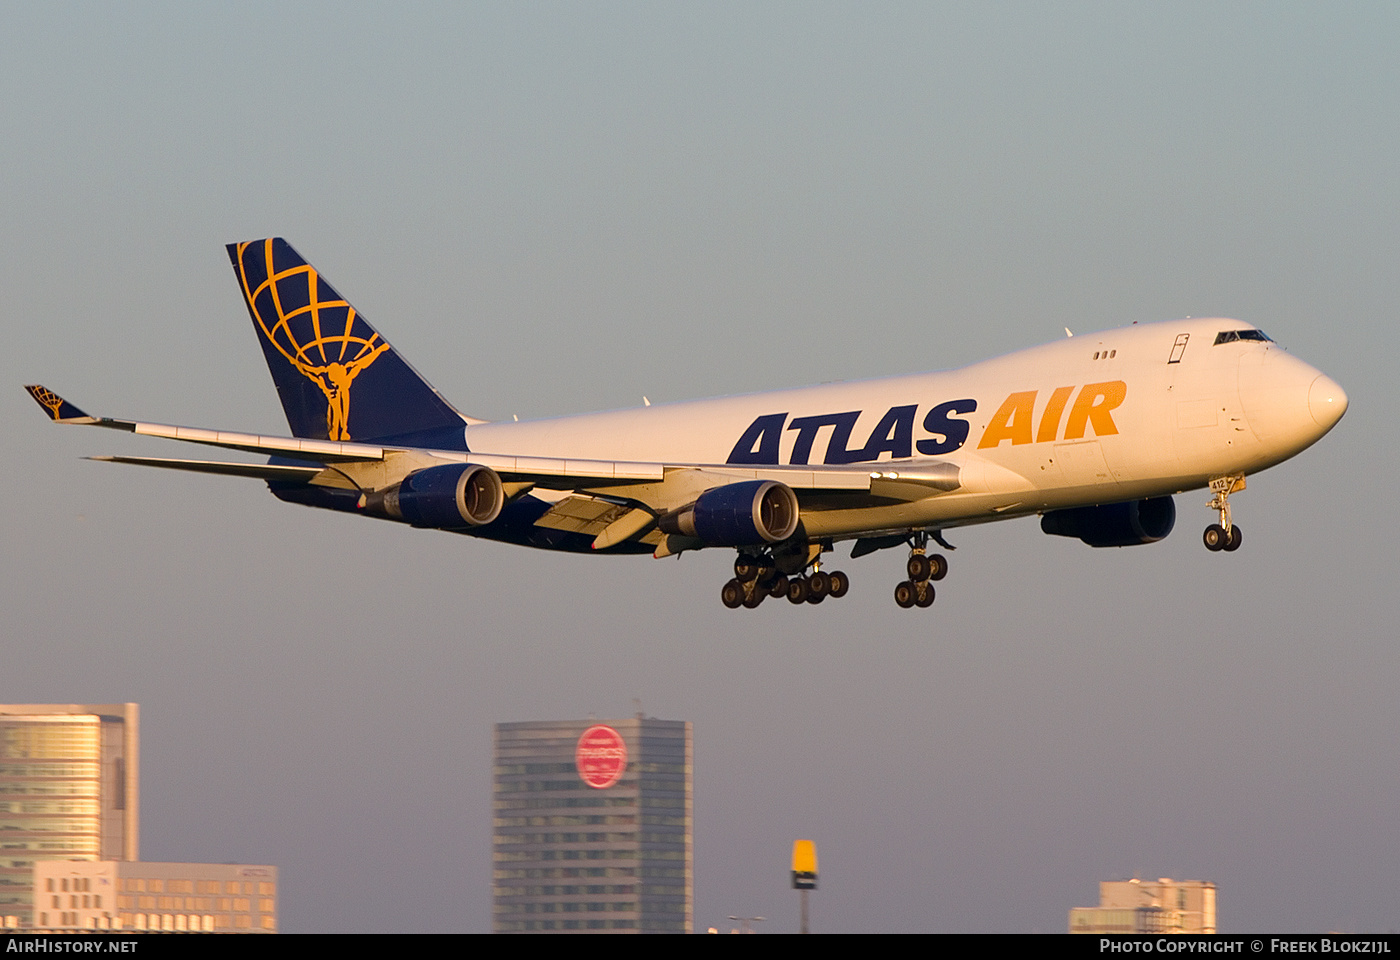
[894, 434]
[316, 330]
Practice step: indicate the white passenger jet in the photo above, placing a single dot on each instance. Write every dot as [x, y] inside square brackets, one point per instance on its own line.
[1094, 433]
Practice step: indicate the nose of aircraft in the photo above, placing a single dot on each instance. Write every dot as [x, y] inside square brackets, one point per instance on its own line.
[1288, 403]
[1327, 401]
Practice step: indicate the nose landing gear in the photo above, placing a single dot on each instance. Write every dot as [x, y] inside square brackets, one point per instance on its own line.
[1223, 535]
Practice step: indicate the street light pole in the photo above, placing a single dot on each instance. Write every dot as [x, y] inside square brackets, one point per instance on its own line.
[804, 873]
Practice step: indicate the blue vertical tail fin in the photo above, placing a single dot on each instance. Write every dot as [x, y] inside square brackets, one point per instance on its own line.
[338, 379]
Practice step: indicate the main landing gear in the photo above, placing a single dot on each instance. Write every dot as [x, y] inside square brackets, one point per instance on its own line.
[1223, 535]
[917, 591]
[757, 577]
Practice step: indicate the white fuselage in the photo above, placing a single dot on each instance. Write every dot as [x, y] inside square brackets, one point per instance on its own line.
[1141, 411]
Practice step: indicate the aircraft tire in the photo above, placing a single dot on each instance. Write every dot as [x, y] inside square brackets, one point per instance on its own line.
[840, 583]
[797, 590]
[1236, 538]
[758, 596]
[1214, 537]
[925, 594]
[819, 583]
[918, 568]
[732, 594]
[778, 586]
[905, 594]
[938, 567]
[746, 567]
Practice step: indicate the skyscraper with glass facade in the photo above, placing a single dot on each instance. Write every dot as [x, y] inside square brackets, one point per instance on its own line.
[592, 828]
[69, 790]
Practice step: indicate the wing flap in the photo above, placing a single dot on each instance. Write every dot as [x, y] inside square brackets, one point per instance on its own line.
[579, 514]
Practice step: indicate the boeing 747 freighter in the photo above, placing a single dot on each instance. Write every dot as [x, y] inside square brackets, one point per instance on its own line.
[1094, 433]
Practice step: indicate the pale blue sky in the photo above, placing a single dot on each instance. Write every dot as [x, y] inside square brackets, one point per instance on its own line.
[554, 208]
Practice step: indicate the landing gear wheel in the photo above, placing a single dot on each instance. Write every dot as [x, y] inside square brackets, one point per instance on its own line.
[919, 568]
[797, 590]
[938, 566]
[925, 594]
[840, 583]
[1236, 538]
[778, 586]
[819, 583]
[732, 593]
[746, 567]
[1214, 537]
[905, 594]
[757, 597]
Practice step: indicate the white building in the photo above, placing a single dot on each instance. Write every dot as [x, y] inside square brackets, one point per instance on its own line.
[79, 896]
[1148, 907]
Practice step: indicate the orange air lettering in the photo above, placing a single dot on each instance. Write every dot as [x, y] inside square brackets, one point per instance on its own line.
[1012, 422]
[1050, 419]
[1093, 406]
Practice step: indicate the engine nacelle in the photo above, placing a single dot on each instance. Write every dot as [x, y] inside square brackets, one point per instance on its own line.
[745, 514]
[447, 497]
[1116, 524]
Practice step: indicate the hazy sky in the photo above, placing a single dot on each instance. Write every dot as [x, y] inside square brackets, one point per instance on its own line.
[556, 208]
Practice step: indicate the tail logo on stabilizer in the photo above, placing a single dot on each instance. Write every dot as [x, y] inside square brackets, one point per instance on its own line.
[318, 332]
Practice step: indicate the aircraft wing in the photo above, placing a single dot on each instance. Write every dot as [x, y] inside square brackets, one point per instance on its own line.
[906, 483]
[614, 501]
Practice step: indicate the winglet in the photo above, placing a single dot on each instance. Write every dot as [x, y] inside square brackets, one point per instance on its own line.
[60, 410]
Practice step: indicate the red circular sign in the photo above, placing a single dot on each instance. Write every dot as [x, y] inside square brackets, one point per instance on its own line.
[601, 756]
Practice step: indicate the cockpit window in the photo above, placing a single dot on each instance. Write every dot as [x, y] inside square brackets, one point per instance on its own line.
[1226, 336]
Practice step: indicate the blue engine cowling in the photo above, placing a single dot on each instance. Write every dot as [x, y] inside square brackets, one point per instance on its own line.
[447, 497]
[1116, 524]
[745, 514]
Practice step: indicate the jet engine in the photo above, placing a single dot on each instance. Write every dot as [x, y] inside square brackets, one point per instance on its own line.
[1116, 524]
[745, 514]
[446, 497]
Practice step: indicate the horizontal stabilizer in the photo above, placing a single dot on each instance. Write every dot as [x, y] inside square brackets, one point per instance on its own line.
[260, 471]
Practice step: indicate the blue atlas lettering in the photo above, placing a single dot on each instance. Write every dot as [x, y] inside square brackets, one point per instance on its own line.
[759, 444]
[836, 449]
[893, 434]
[941, 423]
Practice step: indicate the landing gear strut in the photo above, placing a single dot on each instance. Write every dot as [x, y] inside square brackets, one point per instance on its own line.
[917, 591]
[1223, 535]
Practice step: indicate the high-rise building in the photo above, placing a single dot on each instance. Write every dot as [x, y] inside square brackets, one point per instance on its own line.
[1148, 907]
[69, 790]
[592, 828]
